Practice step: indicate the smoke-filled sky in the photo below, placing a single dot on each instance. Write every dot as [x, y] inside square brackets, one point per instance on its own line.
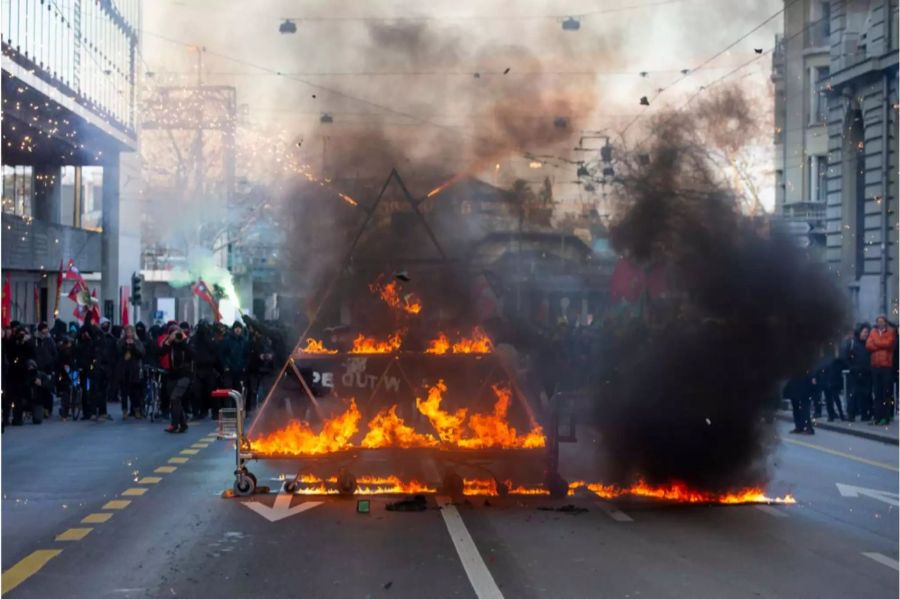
[415, 81]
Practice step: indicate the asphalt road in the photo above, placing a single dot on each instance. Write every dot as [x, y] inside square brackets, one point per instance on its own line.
[177, 537]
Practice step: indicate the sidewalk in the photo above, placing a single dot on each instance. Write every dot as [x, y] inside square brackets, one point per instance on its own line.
[885, 434]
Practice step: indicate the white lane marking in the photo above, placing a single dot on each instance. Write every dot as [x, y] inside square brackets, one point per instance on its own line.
[883, 496]
[883, 560]
[479, 576]
[768, 509]
[615, 514]
[282, 507]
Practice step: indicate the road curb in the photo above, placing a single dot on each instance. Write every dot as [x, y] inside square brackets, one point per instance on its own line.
[871, 435]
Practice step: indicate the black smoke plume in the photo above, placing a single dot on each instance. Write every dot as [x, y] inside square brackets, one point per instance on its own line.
[689, 378]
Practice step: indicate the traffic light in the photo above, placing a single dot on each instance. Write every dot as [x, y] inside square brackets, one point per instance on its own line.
[136, 289]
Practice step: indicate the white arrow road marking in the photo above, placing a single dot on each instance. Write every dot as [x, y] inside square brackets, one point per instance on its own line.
[615, 514]
[282, 507]
[883, 496]
[883, 560]
[479, 576]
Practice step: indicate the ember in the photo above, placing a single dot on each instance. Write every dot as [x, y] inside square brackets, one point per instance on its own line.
[314, 346]
[390, 295]
[679, 492]
[370, 345]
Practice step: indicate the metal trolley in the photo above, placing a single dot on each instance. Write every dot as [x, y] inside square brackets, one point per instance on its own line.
[231, 426]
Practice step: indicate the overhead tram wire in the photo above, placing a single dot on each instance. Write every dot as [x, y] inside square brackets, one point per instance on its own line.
[662, 90]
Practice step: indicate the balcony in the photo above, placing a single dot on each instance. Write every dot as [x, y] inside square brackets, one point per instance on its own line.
[30, 244]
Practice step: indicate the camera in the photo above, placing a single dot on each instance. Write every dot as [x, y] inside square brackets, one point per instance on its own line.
[179, 336]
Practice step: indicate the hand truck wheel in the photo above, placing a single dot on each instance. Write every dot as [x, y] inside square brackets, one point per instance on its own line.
[244, 484]
[346, 483]
[290, 486]
[452, 484]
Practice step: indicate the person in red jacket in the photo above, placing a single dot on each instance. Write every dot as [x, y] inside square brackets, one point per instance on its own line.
[881, 344]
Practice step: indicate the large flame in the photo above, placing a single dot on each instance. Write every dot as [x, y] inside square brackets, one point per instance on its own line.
[381, 485]
[297, 438]
[681, 493]
[387, 429]
[390, 295]
[314, 346]
[448, 426]
[478, 343]
[479, 431]
[370, 345]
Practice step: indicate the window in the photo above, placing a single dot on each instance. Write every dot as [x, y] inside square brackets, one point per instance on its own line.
[17, 190]
[818, 98]
[92, 198]
[817, 177]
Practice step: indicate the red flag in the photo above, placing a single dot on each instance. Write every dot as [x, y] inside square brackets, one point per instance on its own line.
[6, 303]
[37, 303]
[202, 291]
[76, 289]
[59, 281]
[95, 306]
[72, 272]
[123, 300]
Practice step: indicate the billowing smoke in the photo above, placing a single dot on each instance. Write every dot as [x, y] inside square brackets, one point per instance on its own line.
[690, 374]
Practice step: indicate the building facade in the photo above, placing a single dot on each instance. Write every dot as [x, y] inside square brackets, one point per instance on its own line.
[69, 138]
[835, 74]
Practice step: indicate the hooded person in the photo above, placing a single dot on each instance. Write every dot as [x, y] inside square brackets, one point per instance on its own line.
[106, 383]
[130, 355]
[18, 392]
[207, 370]
[235, 352]
[46, 355]
[85, 358]
[859, 378]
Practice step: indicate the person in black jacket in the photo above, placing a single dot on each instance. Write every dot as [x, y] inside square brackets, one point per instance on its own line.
[63, 384]
[46, 355]
[105, 372]
[208, 369]
[859, 379]
[86, 363]
[181, 367]
[130, 354]
[800, 391]
[21, 352]
[830, 380]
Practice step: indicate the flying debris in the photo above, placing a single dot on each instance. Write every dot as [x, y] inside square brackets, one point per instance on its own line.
[288, 26]
[402, 275]
[506, 70]
[476, 75]
[758, 50]
[645, 101]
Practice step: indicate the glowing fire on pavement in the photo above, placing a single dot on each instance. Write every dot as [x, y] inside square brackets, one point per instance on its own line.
[370, 345]
[681, 493]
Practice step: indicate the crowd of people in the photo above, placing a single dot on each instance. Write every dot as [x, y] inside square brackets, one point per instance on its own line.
[868, 359]
[84, 367]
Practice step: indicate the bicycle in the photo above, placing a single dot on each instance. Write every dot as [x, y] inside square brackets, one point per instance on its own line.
[153, 378]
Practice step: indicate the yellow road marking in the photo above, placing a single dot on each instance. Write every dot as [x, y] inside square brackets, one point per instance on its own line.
[849, 456]
[98, 518]
[149, 480]
[73, 534]
[178, 460]
[208, 439]
[133, 491]
[166, 469]
[27, 567]
[117, 504]
[189, 451]
[200, 445]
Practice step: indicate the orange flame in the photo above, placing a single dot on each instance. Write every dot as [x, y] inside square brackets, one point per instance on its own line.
[314, 346]
[478, 343]
[448, 426]
[441, 345]
[679, 492]
[380, 485]
[387, 429]
[370, 345]
[297, 438]
[390, 295]
[348, 199]
[488, 487]
[485, 430]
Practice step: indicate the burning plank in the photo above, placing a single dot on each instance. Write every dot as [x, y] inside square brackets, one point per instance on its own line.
[387, 429]
[370, 345]
[297, 438]
[478, 343]
[390, 294]
[681, 493]
[314, 346]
